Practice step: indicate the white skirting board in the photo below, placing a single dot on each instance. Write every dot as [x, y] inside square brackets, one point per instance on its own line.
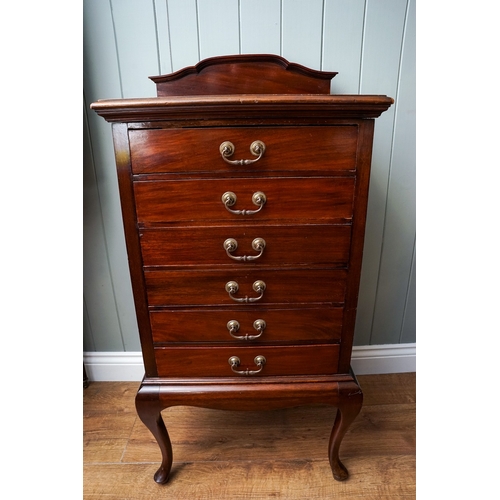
[366, 360]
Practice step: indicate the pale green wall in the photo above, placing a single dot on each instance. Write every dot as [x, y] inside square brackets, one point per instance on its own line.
[371, 43]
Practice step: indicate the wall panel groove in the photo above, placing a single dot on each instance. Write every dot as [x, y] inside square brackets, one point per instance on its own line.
[281, 28]
[116, 47]
[260, 26]
[361, 58]
[399, 215]
[107, 287]
[98, 281]
[384, 23]
[408, 304]
[198, 29]
[239, 26]
[168, 38]
[183, 31]
[408, 327]
[372, 46]
[162, 36]
[322, 36]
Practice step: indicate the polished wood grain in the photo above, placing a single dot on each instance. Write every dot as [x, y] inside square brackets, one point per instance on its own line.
[242, 393]
[258, 454]
[257, 74]
[122, 158]
[314, 174]
[244, 109]
[207, 287]
[197, 149]
[297, 199]
[280, 360]
[358, 238]
[311, 245]
[283, 325]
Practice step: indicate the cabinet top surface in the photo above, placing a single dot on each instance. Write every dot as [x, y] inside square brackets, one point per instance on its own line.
[249, 84]
[243, 106]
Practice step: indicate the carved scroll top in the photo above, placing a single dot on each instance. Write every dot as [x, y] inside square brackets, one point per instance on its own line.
[244, 74]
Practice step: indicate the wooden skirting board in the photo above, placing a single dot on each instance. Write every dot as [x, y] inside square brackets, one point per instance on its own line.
[366, 360]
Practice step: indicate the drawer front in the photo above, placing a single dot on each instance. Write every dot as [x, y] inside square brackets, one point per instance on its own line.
[317, 199]
[287, 148]
[215, 325]
[255, 245]
[172, 288]
[214, 361]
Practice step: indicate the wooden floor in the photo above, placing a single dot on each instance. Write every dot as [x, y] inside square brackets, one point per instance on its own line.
[279, 454]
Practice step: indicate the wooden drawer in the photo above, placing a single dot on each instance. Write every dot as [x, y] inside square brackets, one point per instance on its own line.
[178, 288]
[331, 148]
[281, 325]
[213, 361]
[316, 199]
[281, 245]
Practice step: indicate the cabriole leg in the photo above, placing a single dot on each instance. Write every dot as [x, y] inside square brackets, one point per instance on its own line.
[349, 407]
[149, 409]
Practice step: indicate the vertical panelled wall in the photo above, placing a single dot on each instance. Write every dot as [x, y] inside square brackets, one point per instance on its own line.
[371, 43]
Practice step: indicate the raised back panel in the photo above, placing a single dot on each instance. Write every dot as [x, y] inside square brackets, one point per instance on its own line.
[244, 74]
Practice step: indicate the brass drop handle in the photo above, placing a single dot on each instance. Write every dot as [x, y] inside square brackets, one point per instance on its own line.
[234, 362]
[226, 149]
[232, 287]
[258, 244]
[233, 326]
[229, 199]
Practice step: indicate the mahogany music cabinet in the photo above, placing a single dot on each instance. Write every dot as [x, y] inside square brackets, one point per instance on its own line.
[244, 189]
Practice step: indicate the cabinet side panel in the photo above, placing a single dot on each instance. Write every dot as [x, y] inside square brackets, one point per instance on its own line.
[357, 241]
[122, 153]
